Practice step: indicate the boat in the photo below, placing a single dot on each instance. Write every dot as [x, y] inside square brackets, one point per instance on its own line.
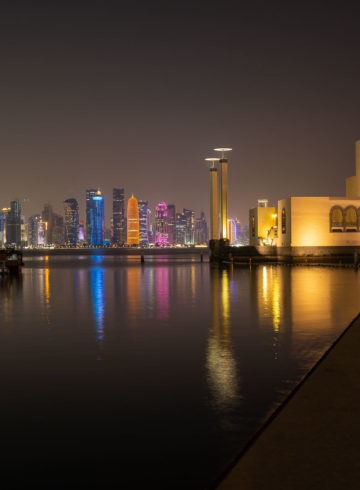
[11, 261]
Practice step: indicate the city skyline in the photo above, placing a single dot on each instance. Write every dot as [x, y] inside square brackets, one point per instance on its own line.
[119, 96]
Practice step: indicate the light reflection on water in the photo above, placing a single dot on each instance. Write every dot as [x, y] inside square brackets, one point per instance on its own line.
[194, 358]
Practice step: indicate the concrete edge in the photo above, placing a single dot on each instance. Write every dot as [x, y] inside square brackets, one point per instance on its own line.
[268, 421]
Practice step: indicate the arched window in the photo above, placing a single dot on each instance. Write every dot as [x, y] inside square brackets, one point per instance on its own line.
[283, 221]
[336, 219]
[350, 216]
[252, 225]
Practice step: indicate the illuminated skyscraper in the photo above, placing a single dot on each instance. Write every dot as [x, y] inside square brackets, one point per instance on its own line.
[3, 214]
[232, 231]
[119, 222]
[144, 212]
[201, 230]
[180, 229]
[13, 224]
[171, 221]
[97, 219]
[54, 226]
[161, 231]
[33, 230]
[132, 221]
[190, 226]
[71, 209]
[89, 194]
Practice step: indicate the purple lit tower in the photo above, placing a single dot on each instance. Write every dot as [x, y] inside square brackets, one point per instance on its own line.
[161, 228]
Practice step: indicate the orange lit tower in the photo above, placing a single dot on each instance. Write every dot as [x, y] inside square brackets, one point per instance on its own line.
[132, 221]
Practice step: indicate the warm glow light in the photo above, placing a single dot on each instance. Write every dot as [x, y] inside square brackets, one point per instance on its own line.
[274, 216]
[132, 222]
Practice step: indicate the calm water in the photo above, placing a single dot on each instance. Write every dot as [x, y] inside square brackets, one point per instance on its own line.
[115, 375]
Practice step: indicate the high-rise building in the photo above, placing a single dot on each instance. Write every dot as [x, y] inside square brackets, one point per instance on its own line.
[190, 226]
[144, 212]
[232, 231]
[119, 222]
[71, 209]
[201, 231]
[3, 214]
[132, 221]
[89, 194]
[33, 227]
[97, 219]
[81, 233]
[180, 229]
[13, 224]
[58, 229]
[171, 222]
[161, 232]
[47, 217]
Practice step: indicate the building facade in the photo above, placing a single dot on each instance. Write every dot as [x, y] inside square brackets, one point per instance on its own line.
[119, 219]
[161, 230]
[97, 219]
[71, 211]
[144, 213]
[89, 194]
[171, 224]
[180, 228]
[132, 221]
[13, 224]
[201, 231]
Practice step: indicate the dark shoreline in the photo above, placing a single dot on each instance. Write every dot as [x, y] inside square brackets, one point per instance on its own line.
[115, 251]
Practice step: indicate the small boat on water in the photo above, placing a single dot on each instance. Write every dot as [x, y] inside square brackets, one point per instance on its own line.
[10, 261]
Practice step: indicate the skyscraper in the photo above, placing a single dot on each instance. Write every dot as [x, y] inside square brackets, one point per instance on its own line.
[144, 222]
[201, 230]
[119, 222]
[171, 218]
[161, 232]
[132, 221]
[13, 224]
[97, 219]
[33, 227]
[3, 214]
[47, 217]
[89, 194]
[190, 226]
[180, 228]
[71, 209]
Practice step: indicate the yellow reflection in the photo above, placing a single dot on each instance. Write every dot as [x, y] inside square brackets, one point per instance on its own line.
[47, 286]
[133, 290]
[220, 362]
[275, 303]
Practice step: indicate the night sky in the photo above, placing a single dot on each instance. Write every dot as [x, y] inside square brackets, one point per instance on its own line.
[137, 94]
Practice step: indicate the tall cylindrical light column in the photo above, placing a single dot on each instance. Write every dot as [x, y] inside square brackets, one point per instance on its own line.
[214, 213]
[223, 164]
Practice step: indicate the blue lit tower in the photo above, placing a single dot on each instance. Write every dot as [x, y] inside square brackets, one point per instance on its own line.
[97, 219]
[143, 223]
[89, 194]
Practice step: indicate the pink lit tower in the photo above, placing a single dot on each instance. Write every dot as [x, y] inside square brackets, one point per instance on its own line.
[161, 228]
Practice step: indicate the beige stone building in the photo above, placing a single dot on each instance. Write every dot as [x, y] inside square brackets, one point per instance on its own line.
[306, 222]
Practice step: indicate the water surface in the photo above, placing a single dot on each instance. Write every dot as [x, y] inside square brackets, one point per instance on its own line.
[117, 375]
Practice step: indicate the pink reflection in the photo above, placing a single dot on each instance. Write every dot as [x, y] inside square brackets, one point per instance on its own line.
[162, 292]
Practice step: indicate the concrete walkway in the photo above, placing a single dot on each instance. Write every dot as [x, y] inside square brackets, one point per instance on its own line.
[313, 442]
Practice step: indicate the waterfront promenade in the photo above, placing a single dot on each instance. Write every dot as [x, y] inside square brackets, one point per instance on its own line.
[313, 441]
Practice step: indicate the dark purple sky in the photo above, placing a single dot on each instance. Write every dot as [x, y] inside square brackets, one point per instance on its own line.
[136, 95]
